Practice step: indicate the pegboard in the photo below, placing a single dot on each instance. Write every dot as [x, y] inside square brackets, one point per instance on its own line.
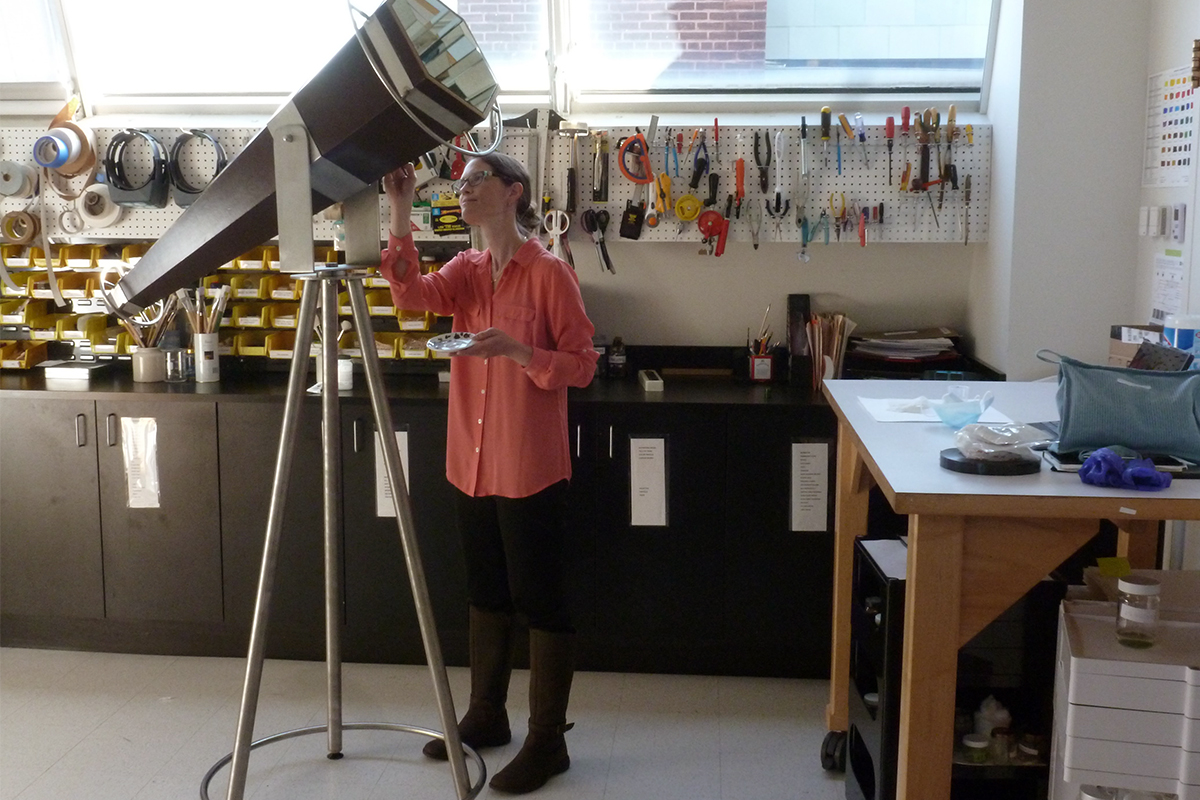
[908, 217]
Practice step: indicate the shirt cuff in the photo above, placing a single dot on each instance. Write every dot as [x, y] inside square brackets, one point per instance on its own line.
[540, 361]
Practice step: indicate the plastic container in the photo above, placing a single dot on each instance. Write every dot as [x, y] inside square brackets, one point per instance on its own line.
[1137, 611]
[1097, 793]
[1001, 745]
[975, 748]
[1181, 330]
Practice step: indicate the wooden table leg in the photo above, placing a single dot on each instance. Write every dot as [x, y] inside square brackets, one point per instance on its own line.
[854, 484]
[1137, 541]
[929, 678]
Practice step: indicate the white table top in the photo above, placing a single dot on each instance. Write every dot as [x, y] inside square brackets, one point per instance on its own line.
[904, 458]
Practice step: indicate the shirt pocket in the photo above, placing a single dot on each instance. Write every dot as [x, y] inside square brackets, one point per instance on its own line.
[517, 321]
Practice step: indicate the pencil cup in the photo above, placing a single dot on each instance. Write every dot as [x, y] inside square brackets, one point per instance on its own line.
[149, 365]
[208, 365]
[761, 368]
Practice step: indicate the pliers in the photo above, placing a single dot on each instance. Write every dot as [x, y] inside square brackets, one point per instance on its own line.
[764, 167]
[822, 222]
[755, 214]
[838, 214]
[670, 152]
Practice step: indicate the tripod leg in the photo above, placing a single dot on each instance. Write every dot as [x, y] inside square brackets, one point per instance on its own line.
[408, 539]
[331, 462]
[262, 603]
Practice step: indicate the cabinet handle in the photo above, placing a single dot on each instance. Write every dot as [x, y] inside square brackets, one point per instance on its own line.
[357, 435]
[81, 430]
[578, 436]
[610, 427]
[111, 429]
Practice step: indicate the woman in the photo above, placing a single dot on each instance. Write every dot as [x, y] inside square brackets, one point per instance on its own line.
[507, 448]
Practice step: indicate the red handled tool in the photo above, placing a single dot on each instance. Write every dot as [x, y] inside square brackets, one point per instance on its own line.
[637, 146]
[889, 130]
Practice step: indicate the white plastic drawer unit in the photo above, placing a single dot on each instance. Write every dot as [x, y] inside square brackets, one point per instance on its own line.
[1127, 718]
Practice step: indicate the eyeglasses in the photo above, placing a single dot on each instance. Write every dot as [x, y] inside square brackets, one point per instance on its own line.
[473, 180]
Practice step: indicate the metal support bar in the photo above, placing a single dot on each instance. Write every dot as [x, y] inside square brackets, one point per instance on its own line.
[331, 462]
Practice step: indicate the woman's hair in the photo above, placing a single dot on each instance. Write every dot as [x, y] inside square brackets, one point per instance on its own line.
[511, 171]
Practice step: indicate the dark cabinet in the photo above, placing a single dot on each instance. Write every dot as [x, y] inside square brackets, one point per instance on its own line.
[777, 583]
[381, 621]
[50, 544]
[248, 445]
[162, 563]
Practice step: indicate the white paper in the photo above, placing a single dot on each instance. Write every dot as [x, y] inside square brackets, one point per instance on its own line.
[1168, 288]
[810, 486]
[1170, 148]
[383, 486]
[648, 482]
[879, 408]
[139, 446]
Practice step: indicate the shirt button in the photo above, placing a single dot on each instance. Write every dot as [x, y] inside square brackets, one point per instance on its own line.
[483, 391]
[480, 420]
[476, 449]
[485, 361]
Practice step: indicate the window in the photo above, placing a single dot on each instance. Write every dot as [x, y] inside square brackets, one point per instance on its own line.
[35, 65]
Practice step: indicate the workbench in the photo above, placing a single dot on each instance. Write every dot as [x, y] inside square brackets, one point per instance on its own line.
[976, 544]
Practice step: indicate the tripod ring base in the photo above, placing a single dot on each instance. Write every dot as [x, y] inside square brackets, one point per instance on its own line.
[351, 726]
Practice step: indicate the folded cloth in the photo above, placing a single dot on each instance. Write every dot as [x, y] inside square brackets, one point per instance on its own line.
[1107, 468]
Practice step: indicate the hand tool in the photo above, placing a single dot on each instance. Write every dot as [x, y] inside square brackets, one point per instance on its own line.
[739, 171]
[710, 224]
[904, 117]
[764, 165]
[755, 212]
[822, 222]
[951, 133]
[713, 179]
[640, 149]
[826, 114]
[970, 132]
[573, 131]
[966, 209]
[803, 146]
[862, 228]
[779, 210]
[701, 155]
[669, 153]
[838, 215]
[904, 178]
[839, 150]
[663, 202]
[933, 125]
[861, 130]
[632, 219]
[600, 168]
[889, 131]
[724, 234]
[687, 208]
[556, 224]
[460, 163]
[716, 141]
[802, 224]
[596, 223]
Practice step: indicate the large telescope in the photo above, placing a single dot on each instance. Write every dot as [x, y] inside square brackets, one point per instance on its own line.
[358, 132]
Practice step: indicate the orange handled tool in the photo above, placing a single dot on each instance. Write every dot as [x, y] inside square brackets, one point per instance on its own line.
[889, 130]
[636, 145]
[740, 172]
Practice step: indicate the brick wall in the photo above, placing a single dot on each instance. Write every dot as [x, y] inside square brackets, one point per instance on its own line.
[706, 33]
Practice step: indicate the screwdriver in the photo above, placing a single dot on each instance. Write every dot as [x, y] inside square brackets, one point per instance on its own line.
[803, 143]
[862, 136]
[826, 114]
[951, 133]
[740, 171]
[966, 209]
[716, 141]
[889, 130]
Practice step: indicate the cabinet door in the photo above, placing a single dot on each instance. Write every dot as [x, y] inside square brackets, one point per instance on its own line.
[162, 563]
[778, 583]
[580, 550]
[381, 621]
[657, 588]
[248, 443]
[50, 546]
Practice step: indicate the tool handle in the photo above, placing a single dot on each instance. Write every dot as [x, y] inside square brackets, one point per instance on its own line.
[950, 132]
[845, 125]
[859, 128]
[889, 129]
[803, 128]
[826, 119]
[862, 228]
[904, 117]
[739, 168]
[713, 179]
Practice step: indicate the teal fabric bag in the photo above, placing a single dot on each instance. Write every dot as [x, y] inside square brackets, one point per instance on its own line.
[1148, 411]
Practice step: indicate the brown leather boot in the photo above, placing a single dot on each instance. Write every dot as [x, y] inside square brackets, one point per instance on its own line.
[544, 754]
[490, 651]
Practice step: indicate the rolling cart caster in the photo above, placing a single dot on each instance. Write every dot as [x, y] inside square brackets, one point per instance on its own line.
[833, 751]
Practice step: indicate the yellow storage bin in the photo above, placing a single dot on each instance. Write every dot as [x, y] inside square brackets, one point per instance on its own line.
[112, 341]
[249, 287]
[226, 343]
[414, 320]
[45, 327]
[249, 315]
[281, 344]
[284, 287]
[270, 259]
[19, 312]
[37, 258]
[251, 260]
[132, 253]
[81, 256]
[73, 285]
[251, 343]
[284, 315]
[14, 255]
[21, 355]
[412, 345]
[379, 303]
[83, 327]
[212, 284]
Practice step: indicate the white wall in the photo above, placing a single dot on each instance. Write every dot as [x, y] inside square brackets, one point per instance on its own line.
[1071, 269]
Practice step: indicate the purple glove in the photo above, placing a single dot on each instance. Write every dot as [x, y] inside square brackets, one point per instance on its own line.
[1106, 468]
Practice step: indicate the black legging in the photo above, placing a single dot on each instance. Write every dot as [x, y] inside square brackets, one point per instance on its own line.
[514, 554]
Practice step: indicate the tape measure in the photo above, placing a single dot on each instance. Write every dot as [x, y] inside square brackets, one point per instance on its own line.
[688, 207]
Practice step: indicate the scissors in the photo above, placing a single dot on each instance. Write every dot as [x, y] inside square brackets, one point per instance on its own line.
[595, 223]
[556, 223]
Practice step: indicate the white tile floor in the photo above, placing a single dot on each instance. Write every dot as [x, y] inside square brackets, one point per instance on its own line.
[99, 726]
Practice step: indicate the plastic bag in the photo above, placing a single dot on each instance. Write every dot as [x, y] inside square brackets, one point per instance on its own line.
[1010, 441]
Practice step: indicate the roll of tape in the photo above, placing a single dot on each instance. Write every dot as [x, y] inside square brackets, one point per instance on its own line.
[70, 221]
[57, 148]
[19, 227]
[85, 156]
[96, 207]
[17, 180]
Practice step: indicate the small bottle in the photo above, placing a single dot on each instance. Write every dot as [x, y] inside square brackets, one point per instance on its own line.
[975, 748]
[1001, 745]
[1137, 611]
[616, 359]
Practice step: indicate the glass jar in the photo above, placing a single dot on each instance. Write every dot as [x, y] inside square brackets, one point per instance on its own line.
[175, 368]
[617, 367]
[1137, 611]
[1002, 743]
[975, 748]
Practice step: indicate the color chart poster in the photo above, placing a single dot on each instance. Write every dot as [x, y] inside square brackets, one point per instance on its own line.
[1170, 129]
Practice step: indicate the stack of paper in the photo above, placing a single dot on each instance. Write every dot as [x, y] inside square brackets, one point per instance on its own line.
[827, 337]
[912, 345]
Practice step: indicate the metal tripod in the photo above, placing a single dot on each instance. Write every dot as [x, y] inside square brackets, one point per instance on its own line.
[292, 143]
